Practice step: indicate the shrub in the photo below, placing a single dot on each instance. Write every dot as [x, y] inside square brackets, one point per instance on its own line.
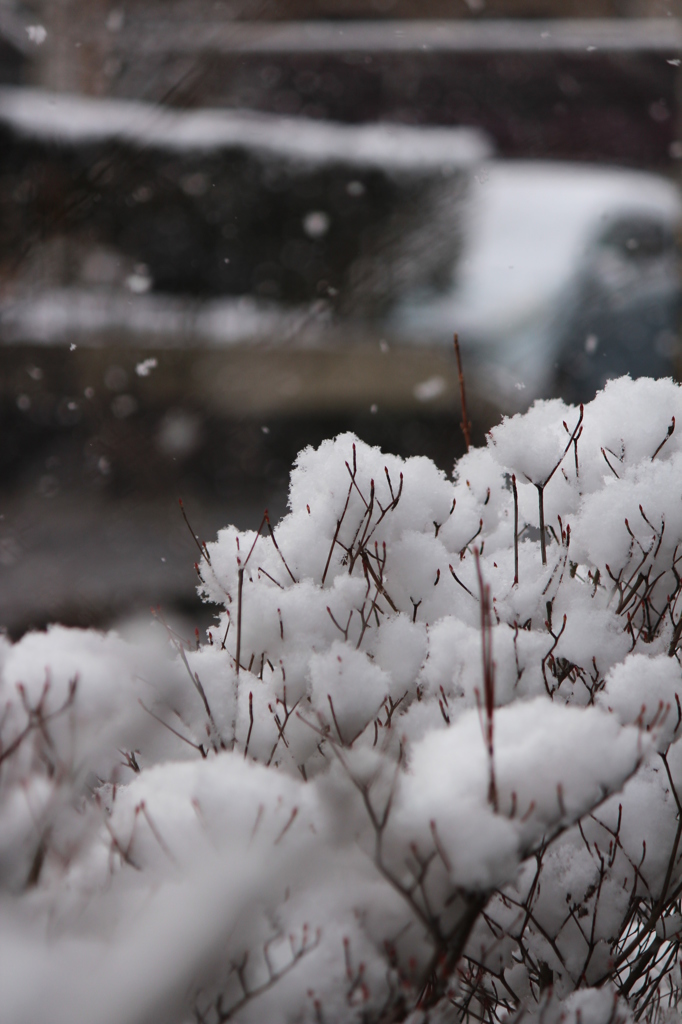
[425, 767]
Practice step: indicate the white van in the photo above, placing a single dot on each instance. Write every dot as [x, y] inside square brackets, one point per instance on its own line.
[570, 274]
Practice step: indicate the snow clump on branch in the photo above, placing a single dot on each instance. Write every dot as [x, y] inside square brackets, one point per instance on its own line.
[426, 767]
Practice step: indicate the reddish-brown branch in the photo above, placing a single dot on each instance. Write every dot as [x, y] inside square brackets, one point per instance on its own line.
[465, 424]
[488, 679]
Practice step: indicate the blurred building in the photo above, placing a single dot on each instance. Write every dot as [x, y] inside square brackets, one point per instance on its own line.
[577, 79]
[123, 262]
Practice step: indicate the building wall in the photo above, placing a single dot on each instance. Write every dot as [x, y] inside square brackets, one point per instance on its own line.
[613, 105]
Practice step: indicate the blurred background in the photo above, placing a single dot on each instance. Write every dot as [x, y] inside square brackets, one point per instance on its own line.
[231, 228]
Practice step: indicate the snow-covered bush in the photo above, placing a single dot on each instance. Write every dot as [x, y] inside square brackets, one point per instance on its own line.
[427, 766]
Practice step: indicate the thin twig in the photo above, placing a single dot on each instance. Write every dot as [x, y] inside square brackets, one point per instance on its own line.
[239, 616]
[202, 548]
[465, 424]
[516, 530]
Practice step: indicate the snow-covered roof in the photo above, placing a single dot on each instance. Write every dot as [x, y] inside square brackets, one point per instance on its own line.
[77, 119]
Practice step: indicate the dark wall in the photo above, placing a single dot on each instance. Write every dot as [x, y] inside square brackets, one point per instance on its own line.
[12, 64]
[615, 102]
[613, 107]
[231, 222]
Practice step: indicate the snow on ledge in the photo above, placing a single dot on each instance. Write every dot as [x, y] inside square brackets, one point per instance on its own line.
[72, 120]
[58, 314]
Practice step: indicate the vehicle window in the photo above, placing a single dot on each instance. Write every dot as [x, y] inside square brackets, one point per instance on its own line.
[640, 239]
